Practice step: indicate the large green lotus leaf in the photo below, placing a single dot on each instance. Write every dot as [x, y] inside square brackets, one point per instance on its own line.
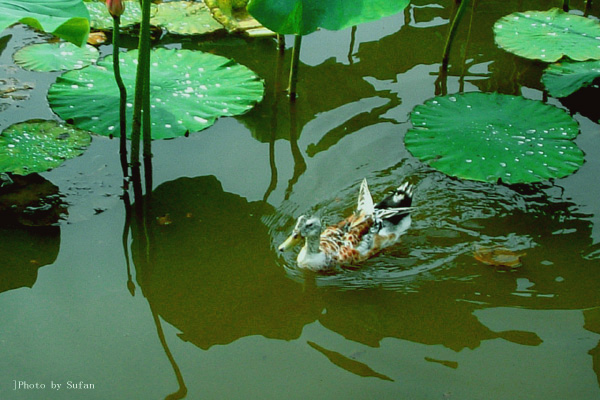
[548, 35]
[100, 18]
[302, 17]
[189, 90]
[566, 77]
[37, 146]
[67, 19]
[55, 56]
[185, 18]
[491, 137]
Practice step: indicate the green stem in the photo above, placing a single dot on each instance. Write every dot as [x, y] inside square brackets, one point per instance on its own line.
[294, 67]
[141, 80]
[280, 43]
[146, 126]
[452, 33]
[586, 9]
[566, 5]
[122, 97]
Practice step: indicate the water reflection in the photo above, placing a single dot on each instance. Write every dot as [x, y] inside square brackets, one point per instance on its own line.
[30, 208]
[211, 272]
[592, 324]
[24, 251]
[451, 218]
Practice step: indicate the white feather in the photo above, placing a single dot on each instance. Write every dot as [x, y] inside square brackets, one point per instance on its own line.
[365, 204]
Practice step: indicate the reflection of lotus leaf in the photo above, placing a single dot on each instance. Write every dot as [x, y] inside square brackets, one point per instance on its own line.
[189, 91]
[211, 272]
[302, 17]
[185, 18]
[55, 56]
[24, 251]
[490, 137]
[67, 19]
[549, 35]
[30, 201]
[38, 146]
[566, 77]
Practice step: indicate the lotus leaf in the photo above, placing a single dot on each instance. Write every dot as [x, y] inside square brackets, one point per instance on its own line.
[37, 146]
[189, 90]
[565, 78]
[67, 19]
[100, 18]
[55, 56]
[494, 137]
[301, 17]
[185, 18]
[548, 35]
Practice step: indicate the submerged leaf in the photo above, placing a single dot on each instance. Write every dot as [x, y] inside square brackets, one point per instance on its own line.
[566, 77]
[37, 146]
[498, 256]
[189, 90]
[491, 137]
[55, 56]
[301, 17]
[548, 35]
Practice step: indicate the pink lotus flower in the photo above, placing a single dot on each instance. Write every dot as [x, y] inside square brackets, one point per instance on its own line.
[115, 7]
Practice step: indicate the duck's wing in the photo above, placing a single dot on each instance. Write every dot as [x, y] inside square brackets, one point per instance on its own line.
[365, 200]
[365, 206]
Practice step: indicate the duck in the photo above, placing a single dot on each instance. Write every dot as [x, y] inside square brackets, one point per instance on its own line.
[362, 235]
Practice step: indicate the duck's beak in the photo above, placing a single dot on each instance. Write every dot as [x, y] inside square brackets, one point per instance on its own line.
[290, 242]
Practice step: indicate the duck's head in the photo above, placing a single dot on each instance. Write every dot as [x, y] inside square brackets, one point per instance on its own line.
[306, 227]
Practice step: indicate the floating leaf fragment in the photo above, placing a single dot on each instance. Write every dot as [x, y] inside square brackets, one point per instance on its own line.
[498, 256]
[549, 35]
[565, 78]
[11, 88]
[60, 56]
[493, 137]
[37, 146]
[97, 38]
[164, 219]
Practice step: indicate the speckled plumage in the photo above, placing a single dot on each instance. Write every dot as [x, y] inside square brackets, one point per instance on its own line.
[357, 238]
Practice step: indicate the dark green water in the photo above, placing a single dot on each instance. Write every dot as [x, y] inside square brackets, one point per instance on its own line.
[206, 303]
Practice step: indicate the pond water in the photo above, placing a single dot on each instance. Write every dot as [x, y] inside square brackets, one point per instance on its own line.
[195, 301]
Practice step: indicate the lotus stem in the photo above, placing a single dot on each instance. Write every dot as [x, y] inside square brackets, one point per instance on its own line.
[294, 67]
[452, 32]
[566, 5]
[280, 43]
[141, 80]
[122, 97]
[352, 43]
[586, 9]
